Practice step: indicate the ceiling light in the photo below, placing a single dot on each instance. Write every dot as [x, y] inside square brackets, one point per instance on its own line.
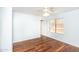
[46, 14]
[45, 10]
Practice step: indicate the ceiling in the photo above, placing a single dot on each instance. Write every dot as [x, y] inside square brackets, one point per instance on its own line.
[39, 10]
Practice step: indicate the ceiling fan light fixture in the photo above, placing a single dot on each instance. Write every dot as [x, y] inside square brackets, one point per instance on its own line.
[45, 10]
[46, 14]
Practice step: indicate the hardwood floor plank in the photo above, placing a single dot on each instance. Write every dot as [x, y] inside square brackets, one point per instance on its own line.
[43, 44]
[60, 48]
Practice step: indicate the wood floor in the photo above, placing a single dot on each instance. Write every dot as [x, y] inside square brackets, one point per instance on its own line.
[45, 45]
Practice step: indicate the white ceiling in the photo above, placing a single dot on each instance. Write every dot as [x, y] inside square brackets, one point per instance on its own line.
[39, 10]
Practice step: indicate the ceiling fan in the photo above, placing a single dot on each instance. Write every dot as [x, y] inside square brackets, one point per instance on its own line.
[47, 11]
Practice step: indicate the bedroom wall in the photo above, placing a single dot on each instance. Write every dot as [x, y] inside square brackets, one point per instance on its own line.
[71, 28]
[25, 26]
[6, 29]
[0, 26]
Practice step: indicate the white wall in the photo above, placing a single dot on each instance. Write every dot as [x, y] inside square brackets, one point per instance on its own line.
[0, 26]
[6, 29]
[25, 26]
[71, 28]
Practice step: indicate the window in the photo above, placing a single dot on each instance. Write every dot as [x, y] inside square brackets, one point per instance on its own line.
[57, 26]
